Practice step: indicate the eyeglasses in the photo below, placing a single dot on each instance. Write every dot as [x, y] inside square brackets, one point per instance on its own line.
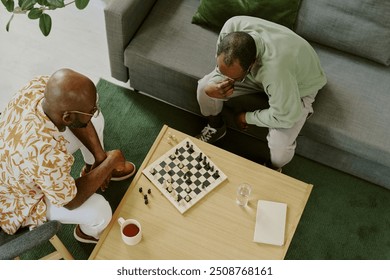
[246, 74]
[235, 80]
[96, 110]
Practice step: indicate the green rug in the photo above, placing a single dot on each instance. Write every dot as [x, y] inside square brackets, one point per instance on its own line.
[345, 217]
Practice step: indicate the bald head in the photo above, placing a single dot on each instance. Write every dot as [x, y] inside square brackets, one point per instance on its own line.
[70, 90]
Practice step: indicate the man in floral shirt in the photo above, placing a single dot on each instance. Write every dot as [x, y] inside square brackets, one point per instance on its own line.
[40, 129]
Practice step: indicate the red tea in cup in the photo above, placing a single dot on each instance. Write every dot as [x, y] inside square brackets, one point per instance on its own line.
[130, 230]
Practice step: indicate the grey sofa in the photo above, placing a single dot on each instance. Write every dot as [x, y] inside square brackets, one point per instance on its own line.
[155, 46]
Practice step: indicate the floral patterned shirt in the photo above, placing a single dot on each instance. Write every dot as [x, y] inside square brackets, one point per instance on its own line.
[34, 162]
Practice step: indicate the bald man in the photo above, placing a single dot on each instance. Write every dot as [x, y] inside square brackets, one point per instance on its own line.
[42, 126]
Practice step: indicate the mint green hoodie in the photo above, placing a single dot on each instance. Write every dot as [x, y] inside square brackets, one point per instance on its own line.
[287, 68]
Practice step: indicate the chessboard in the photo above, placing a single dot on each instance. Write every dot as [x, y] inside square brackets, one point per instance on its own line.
[184, 175]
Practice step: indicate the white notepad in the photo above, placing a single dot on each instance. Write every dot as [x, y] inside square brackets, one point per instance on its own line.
[270, 222]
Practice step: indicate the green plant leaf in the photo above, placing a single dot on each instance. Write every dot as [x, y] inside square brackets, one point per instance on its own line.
[42, 2]
[35, 13]
[81, 4]
[9, 22]
[54, 4]
[45, 24]
[9, 5]
[28, 4]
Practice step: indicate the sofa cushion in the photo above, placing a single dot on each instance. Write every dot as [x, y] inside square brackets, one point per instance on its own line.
[214, 13]
[358, 27]
[168, 38]
[350, 112]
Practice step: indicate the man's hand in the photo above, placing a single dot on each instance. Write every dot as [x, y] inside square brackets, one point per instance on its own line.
[220, 90]
[98, 177]
[241, 121]
[104, 186]
[118, 163]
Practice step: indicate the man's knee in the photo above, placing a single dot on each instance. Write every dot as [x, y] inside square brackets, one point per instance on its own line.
[280, 157]
[102, 212]
[281, 151]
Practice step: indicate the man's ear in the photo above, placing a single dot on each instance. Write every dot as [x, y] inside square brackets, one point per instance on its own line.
[66, 118]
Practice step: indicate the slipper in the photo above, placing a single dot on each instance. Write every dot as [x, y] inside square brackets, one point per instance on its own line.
[116, 175]
[121, 175]
[82, 237]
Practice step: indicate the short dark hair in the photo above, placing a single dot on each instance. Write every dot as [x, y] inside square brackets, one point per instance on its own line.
[238, 45]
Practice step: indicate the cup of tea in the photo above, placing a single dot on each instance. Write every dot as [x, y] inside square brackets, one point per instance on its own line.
[130, 230]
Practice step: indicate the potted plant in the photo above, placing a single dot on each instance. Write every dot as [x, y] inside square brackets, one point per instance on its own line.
[38, 10]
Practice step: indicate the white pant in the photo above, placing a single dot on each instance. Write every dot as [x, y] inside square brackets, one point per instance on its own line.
[95, 213]
[281, 141]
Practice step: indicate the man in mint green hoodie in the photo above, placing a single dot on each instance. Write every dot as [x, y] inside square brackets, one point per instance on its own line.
[258, 56]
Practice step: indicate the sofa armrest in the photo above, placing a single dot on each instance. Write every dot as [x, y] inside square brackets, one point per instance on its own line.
[123, 18]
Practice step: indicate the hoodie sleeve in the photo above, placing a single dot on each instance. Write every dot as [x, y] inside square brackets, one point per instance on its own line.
[285, 103]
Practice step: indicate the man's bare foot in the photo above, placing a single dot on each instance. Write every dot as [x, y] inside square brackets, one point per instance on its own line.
[124, 174]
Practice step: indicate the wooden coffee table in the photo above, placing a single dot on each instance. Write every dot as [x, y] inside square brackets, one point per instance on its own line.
[216, 227]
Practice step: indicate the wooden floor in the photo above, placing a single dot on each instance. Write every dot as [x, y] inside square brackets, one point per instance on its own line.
[77, 40]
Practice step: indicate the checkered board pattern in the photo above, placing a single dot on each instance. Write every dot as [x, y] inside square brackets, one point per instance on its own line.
[184, 175]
